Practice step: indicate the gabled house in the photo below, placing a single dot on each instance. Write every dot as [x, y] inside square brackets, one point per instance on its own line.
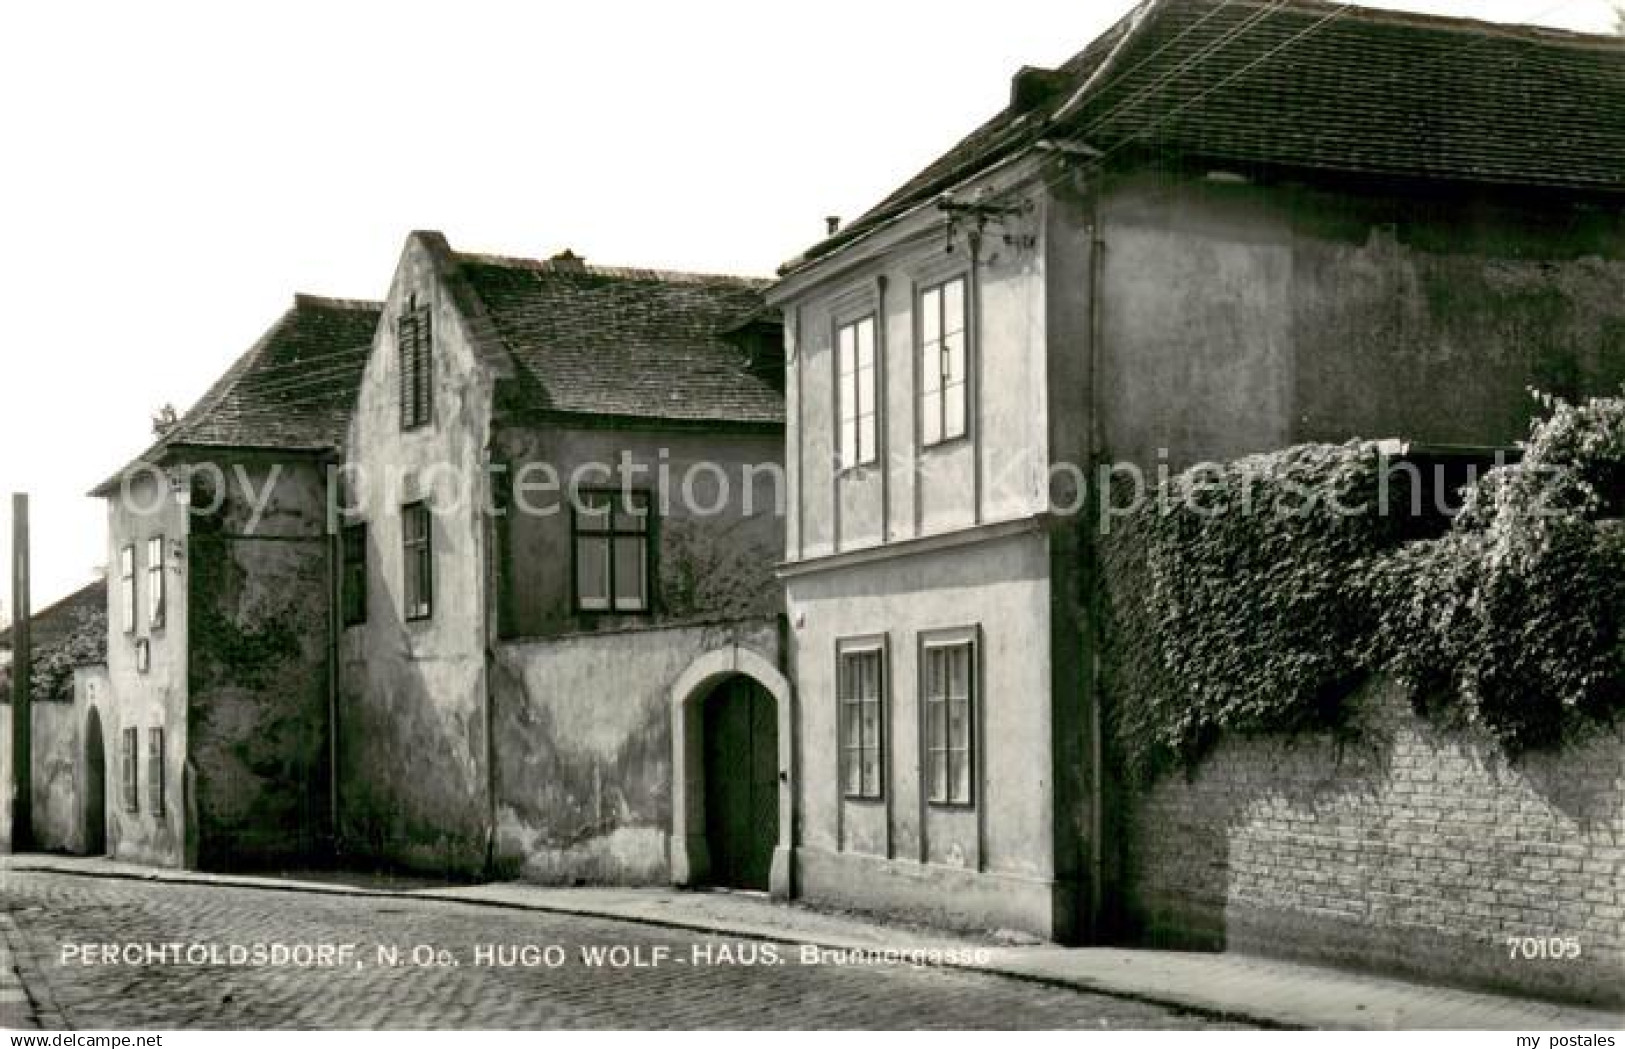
[1222, 227]
[562, 501]
[477, 579]
[210, 745]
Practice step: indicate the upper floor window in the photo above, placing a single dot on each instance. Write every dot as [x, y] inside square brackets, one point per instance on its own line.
[412, 340]
[950, 705]
[861, 690]
[855, 395]
[613, 541]
[353, 578]
[417, 549]
[155, 582]
[126, 588]
[944, 396]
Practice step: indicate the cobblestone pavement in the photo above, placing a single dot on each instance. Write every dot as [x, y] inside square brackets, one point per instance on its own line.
[683, 990]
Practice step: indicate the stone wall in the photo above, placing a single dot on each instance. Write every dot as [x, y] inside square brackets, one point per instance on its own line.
[1405, 847]
[583, 748]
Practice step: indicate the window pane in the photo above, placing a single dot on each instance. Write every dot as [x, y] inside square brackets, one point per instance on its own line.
[936, 725]
[865, 339]
[931, 316]
[631, 586]
[953, 359]
[953, 411]
[592, 514]
[958, 724]
[849, 441]
[866, 439]
[866, 391]
[938, 776]
[854, 773]
[632, 513]
[953, 306]
[592, 572]
[959, 671]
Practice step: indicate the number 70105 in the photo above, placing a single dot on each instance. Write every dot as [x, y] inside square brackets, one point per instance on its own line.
[1561, 948]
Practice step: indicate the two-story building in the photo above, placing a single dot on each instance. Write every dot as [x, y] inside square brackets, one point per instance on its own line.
[477, 579]
[1220, 228]
[562, 504]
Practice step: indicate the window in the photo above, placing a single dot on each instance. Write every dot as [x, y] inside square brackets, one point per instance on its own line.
[128, 746]
[950, 675]
[943, 390]
[861, 689]
[412, 340]
[126, 588]
[155, 770]
[612, 544]
[155, 582]
[417, 546]
[855, 394]
[353, 574]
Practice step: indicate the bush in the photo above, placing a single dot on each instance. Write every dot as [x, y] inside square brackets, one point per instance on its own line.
[1230, 602]
[1245, 597]
[1515, 618]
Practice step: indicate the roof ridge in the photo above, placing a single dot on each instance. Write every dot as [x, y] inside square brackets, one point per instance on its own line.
[1460, 23]
[639, 273]
[302, 299]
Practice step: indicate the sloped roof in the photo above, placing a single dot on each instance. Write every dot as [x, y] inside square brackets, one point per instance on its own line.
[53, 624]
[1308, 84]
[630, 343]
[294, 389]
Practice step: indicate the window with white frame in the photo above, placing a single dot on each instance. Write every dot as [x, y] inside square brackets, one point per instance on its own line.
[612, 550]
[950, 709]
[856, 395]
[944, 362]
[861, 692]
[155, 582]
[126, 588]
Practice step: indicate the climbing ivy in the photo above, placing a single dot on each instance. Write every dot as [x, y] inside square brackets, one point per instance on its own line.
[1247, 597]
[1230, 601]
[1514, 619]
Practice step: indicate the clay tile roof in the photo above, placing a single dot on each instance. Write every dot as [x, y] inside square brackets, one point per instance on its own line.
[630, 343]
[1307, 84]
[51, 625]
[294, 389]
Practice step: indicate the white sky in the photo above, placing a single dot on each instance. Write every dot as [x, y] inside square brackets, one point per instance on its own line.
[170, 173]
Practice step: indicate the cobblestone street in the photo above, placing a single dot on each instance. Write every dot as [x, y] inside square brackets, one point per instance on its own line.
[681, 991]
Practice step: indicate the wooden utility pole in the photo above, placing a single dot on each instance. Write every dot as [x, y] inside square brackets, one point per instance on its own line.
[22, 666]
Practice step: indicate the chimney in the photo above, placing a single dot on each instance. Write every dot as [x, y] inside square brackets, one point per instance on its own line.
[1032, 86]
[568, 261]
[832, 225]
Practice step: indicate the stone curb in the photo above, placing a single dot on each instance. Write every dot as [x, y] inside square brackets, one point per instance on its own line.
[1283, 1014]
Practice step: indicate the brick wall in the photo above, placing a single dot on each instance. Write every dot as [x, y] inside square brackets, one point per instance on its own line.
[1405, 847]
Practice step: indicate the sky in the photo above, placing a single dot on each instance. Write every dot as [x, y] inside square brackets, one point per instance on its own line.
[173, 172]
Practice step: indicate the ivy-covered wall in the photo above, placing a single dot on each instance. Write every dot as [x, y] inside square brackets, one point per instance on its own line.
[258, 716]
[1349, 731]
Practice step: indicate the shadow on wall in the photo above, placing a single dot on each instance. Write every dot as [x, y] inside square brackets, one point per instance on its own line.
[1402, 845]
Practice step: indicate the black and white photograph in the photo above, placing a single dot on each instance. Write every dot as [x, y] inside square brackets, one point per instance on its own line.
[1072, 515]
